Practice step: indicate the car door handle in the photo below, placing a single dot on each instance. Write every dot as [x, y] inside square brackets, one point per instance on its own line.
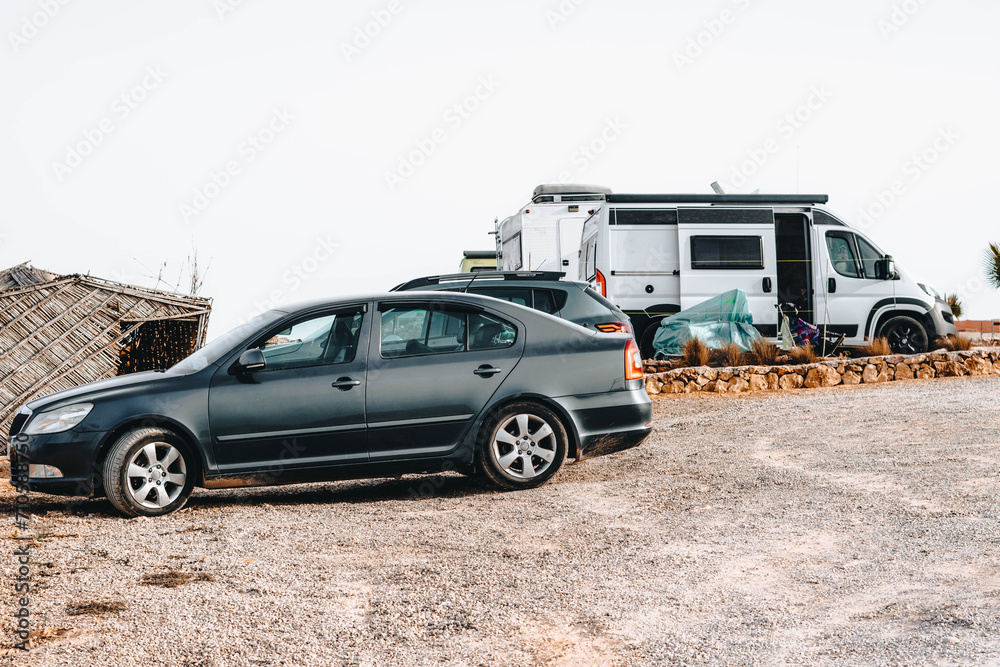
[486, 371]
[344, 384]
[831, 285]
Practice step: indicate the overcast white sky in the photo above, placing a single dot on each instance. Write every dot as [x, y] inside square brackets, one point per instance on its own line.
[120, 119]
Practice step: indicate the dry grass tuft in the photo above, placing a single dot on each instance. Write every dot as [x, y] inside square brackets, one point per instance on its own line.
[952, 343]
[875, 348]
[696, 353]
[763, 353]
[803, 355]
[730, 355]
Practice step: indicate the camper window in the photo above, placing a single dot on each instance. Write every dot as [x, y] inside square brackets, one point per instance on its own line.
[727, 252]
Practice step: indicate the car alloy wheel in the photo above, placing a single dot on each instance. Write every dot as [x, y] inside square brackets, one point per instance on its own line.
[524, 445]
[148, 472]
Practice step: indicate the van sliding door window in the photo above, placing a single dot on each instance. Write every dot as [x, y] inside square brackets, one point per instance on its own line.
[727, 252]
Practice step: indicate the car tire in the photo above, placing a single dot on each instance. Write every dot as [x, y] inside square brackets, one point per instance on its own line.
[905, 335]
[521, 446]
[646, 348]
[167, 468]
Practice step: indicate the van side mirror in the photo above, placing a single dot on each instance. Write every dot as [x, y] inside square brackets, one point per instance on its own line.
[252, 360]
[885, 268]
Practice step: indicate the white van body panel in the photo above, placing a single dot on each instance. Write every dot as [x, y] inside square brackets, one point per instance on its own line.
[649, 270]
[544, 235]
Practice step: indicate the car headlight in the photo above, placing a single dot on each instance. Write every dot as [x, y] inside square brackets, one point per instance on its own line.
[58, 420]
[930, 291]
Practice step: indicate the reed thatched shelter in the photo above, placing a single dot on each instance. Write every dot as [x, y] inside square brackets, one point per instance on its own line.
[59, 331]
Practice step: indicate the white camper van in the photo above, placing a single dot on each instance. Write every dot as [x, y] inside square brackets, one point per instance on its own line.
[654, 255]
[545, 234]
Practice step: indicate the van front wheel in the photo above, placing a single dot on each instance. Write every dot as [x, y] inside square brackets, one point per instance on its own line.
[905, 335]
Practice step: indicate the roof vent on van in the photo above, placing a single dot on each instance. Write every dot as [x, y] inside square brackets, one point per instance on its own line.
[569, 192]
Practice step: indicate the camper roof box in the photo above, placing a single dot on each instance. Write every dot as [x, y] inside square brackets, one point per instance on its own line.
[569, 192]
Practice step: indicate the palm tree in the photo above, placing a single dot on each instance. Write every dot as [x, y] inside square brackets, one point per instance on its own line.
[991, 265]
[955, 304]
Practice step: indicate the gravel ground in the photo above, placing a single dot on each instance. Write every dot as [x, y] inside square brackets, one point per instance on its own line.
[846, 526]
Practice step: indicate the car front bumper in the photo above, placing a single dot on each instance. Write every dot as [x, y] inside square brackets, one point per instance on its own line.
[71, 452]
[608, 423]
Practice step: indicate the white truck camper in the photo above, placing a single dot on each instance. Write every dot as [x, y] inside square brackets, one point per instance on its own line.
[545, 234]
[654, 255]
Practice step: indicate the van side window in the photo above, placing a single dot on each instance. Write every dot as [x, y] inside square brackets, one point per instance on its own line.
[842, 255]
[727, 252]
[870, 255]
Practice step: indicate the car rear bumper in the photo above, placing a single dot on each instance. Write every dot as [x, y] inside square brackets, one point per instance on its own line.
[608, 423]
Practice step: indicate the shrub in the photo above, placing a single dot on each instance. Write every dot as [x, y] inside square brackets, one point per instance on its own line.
[875, 348]
[955, 304]
[803, 355]
[730, 355]
[952, 343]
[763, 352]
[695, 353]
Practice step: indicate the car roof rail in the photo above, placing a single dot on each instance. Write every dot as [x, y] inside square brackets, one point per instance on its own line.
[478, 276]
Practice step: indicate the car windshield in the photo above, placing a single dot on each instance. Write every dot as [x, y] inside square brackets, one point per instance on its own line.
[215, 350]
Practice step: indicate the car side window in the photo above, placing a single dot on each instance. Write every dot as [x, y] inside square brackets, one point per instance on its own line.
[842, 254]
[520, 296]
[331, 338]
[489, 333]
[414, 331]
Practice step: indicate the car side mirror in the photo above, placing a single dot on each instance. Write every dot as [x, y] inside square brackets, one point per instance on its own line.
[885, 268]
[252, 360]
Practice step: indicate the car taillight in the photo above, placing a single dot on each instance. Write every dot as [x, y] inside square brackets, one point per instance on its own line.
[600, 284]
[633, 361]
[614, 327]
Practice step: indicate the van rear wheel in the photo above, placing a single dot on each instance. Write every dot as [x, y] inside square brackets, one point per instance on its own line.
[905, 335]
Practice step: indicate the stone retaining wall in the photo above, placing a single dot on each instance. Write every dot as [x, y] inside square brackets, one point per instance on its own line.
[827, 373]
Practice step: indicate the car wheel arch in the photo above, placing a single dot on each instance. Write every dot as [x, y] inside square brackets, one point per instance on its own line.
[150, 421]
[573, 450]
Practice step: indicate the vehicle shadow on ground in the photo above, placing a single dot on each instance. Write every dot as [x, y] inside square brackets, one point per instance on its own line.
[410, 487]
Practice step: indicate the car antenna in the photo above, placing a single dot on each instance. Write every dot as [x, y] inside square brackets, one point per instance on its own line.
[475, 274]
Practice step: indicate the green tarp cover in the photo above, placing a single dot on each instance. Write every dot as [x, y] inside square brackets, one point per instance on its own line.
[717, 322]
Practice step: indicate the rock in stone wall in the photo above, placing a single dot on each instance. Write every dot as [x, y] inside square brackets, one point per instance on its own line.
[827, 373]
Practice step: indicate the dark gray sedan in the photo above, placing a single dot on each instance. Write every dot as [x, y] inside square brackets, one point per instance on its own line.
[416, 382]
